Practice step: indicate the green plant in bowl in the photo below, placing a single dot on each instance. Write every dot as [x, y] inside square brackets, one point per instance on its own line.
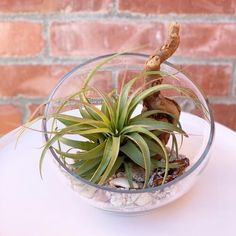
[114, 137]
[125, 144]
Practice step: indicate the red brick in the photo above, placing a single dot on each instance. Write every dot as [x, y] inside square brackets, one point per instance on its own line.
[178, 6]
[35, 110]
[131, 74]
[127, 76]
[102, 80]
[208, 40]
[10, 116]
[94, 37]
[33, 107]
[55, 5]
[92, 5]
[212, 79]
[21, 38]
[30, 80]
[39, 80]
[225, 114]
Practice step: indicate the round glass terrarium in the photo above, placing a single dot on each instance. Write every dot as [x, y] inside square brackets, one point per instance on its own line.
[196, 121]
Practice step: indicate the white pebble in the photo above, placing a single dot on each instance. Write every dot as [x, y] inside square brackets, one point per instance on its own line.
[143, 199]
[122, 182]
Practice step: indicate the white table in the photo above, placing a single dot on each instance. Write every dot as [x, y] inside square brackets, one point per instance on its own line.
[31, 207]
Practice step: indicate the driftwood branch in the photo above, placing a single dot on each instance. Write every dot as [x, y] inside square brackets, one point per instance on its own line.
[156, 101]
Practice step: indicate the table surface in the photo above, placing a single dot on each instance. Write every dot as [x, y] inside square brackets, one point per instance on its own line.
[32, 207]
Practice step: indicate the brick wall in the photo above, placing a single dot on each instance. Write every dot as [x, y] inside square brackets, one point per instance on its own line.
[40, 40]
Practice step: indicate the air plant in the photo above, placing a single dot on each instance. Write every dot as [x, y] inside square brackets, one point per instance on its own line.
[113, 136]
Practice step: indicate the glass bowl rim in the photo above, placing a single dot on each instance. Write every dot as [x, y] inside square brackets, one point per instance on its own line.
[132, 191]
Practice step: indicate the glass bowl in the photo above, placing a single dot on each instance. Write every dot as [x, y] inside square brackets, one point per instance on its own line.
[197, 121]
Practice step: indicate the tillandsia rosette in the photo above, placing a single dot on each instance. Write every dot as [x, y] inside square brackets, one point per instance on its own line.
[108, 144]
